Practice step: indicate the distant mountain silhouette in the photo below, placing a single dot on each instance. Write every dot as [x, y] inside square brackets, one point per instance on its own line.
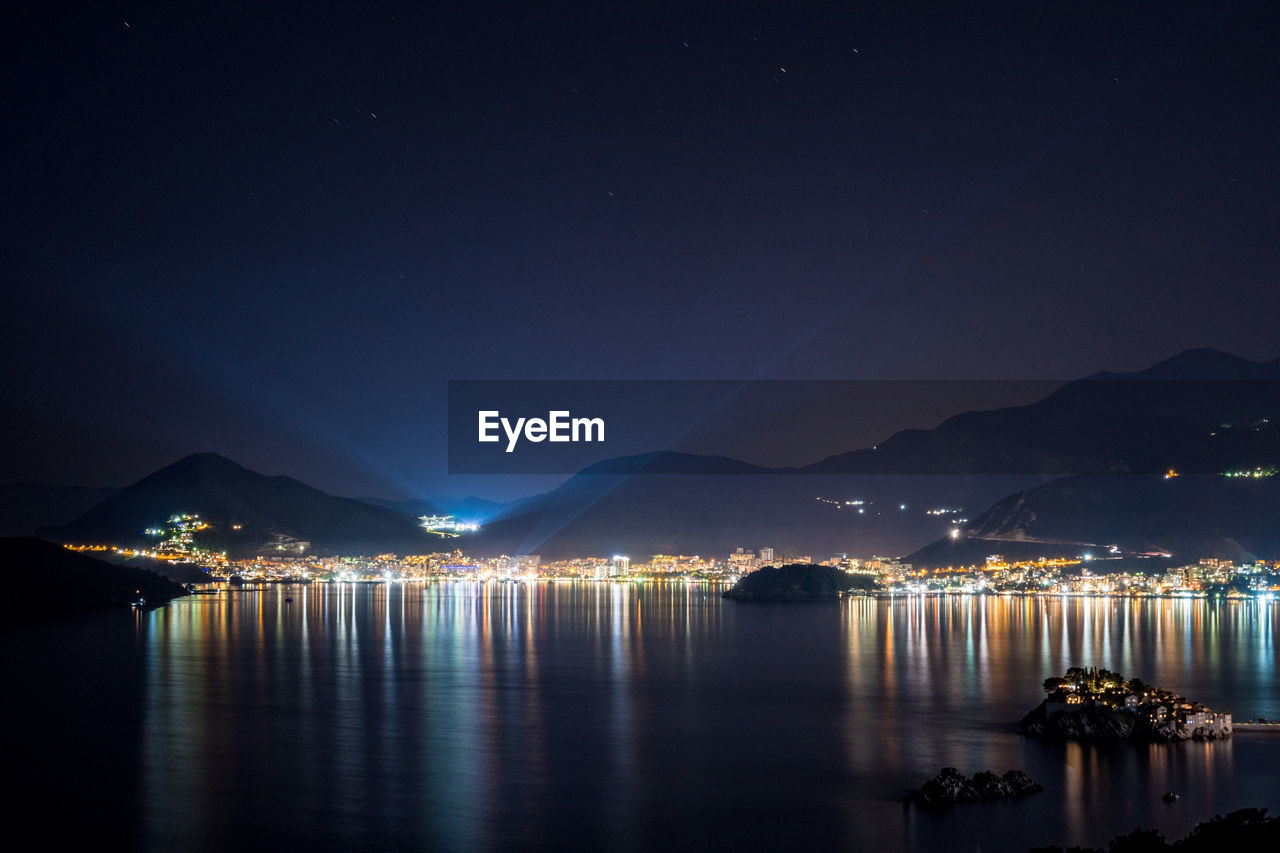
[1202, 364]
[26, 507]
[41, 577]
[1169, 415]
[273, 514]
[1202, 411]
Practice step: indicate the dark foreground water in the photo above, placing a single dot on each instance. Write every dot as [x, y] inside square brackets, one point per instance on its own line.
[568, 716]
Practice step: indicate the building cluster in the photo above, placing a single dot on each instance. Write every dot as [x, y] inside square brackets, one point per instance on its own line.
[178, 534]
[742, 561]
[457, 565]
[1209, 577]
[1093, 688]
[178, 539]
[446, 526]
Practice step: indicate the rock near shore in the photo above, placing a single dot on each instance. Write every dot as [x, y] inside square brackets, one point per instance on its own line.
[952, 786]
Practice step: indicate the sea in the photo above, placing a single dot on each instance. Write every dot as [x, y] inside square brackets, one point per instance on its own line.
[610, 716]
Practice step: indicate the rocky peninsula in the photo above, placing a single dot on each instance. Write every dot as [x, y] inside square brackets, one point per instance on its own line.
[1097, 704]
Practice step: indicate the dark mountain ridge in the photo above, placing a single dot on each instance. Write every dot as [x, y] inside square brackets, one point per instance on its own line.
[1200, 412]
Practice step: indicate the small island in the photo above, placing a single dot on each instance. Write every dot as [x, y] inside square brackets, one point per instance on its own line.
[797, 582]
[1097, 704]
[952, 786]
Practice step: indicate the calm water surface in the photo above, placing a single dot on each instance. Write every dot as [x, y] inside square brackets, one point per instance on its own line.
[633, 717]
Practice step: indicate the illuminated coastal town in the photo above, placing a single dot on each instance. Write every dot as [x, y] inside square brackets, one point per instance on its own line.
[177, 542]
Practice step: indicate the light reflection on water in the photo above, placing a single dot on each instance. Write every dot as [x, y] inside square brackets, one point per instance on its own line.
[552, 715]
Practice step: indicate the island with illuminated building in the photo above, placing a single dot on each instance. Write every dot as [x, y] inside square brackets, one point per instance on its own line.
[1097, 704]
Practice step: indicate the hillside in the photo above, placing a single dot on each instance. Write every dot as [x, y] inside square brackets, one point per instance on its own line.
[247, 513]
[40, 577]
[796, 514]
[1185, 518]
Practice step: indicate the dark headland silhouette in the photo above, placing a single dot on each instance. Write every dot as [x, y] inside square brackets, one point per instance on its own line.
[41, 577]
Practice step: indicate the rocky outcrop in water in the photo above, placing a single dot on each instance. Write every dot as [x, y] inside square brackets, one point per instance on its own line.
[952, 786]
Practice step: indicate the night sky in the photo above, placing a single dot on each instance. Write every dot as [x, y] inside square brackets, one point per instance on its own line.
[277, 230]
